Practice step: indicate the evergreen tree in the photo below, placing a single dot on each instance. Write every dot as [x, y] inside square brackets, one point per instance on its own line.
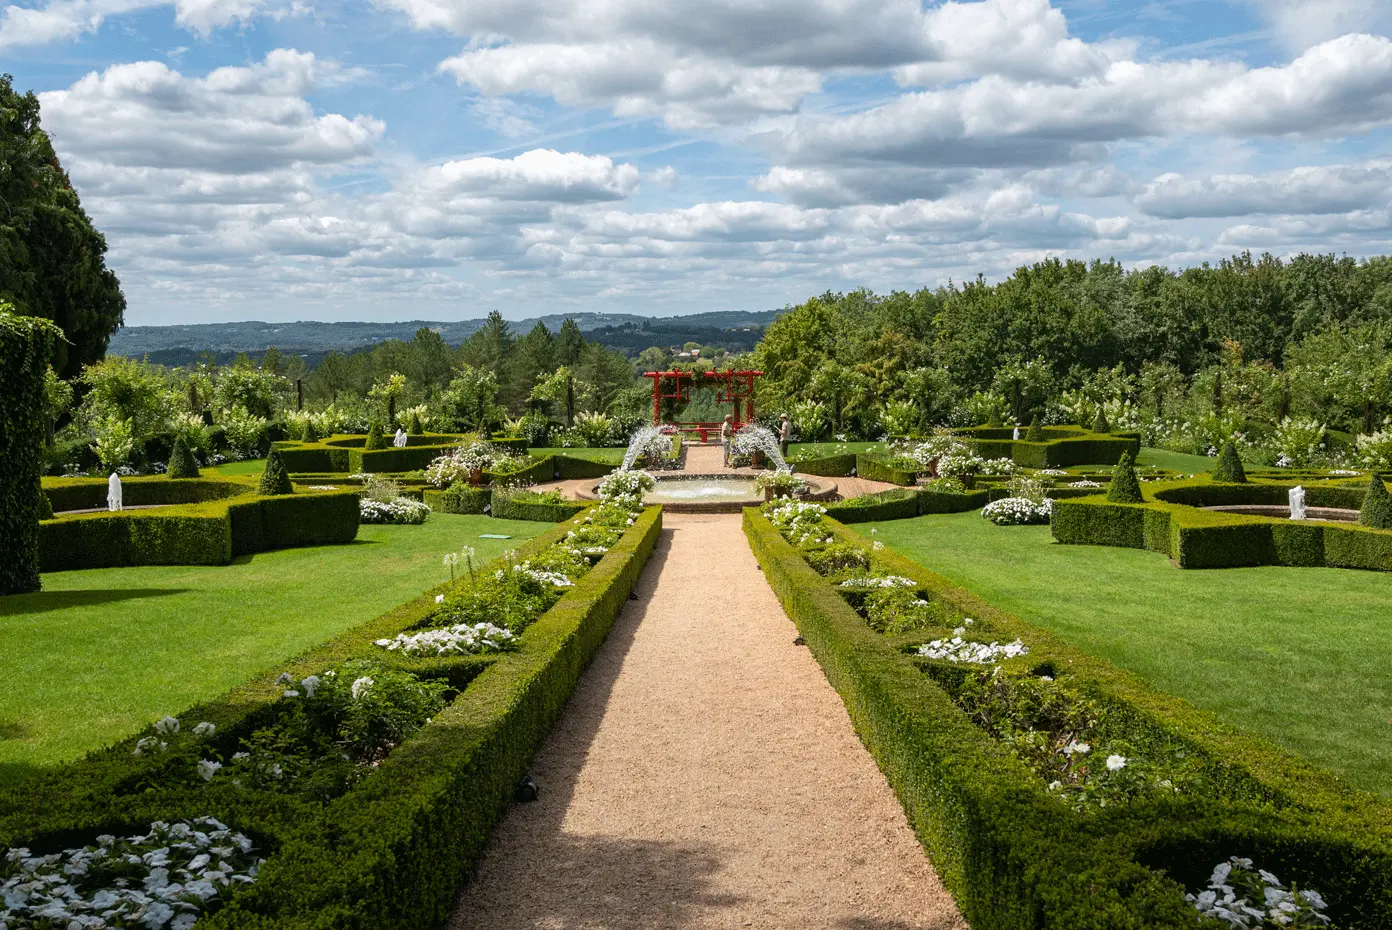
[310, 432]
[416, 428]
[52, 260]
[275, 480]
[1036, 431]
[1229, 467]
[1377, 506]
[1099, 423]
[375, 438]
[1126, 488]
[569, 343]
[181, 461]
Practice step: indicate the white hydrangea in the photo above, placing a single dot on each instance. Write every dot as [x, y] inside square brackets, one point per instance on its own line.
[880, 581]
[463, 639]
[403, 510]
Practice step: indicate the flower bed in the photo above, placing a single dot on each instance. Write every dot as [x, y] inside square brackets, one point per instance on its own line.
[394, 846]
[1036, 776]
[1017, 511]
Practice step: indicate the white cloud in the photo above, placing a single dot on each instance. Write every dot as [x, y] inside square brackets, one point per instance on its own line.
[68, 19]
[1302, 23]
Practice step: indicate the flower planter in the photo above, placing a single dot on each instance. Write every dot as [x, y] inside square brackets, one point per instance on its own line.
[475, 477]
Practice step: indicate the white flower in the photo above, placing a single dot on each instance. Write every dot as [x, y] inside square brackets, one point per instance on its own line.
[207, 769]
[439, 598]
[959, 650]
[1076, 747]
[310, 684]
[292, 693]
[167, 725]
[1116, 763]
[284, 678]
[204, 729]
[360, 687]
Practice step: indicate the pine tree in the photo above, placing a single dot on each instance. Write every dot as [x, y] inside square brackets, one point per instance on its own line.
[1099, 423]
[181, 461]
[1229, 468]
[1036, 432]
[1377, 506]
[1126, 488]
[274, 479]
[416, 428]
[375, 437]
[310, 433]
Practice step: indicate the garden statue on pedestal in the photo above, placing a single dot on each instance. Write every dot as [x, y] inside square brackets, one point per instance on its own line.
[1016, 437]
[399, 441]
[113, 492]
[1297, 502]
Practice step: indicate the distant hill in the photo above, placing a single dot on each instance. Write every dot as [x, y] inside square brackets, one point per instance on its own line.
[735, 330]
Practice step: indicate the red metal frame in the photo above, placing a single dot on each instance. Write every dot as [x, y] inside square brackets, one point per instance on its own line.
[738, 390]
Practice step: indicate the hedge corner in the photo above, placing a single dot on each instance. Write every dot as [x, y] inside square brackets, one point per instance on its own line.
[26, 346]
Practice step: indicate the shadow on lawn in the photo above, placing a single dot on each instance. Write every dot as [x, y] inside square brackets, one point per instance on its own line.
[19, 605]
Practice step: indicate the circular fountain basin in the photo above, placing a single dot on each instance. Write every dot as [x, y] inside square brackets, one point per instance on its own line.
[1281, 512]
[716, 493]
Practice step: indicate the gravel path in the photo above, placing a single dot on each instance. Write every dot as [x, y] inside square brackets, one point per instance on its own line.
[705, 775]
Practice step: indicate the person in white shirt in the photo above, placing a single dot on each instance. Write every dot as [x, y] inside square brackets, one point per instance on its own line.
[785, 434]
[727, 432]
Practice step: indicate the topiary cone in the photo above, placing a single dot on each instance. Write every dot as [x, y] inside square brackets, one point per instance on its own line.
[1126, 487]
[1099, 423]
[45, 505]
[1036, 432]
[309, 434]
[1377, 506]
[375, 438]
[274, 479]
[181, 461]
[1229, 468]
[416, 428]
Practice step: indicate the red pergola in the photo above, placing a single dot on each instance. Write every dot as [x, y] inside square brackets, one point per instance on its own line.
[736, 388]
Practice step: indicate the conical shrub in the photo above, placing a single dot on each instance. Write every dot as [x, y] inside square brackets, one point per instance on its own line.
[1099, 422]
[1036, 432]
[1377, 506]
[275, 480]
[181, 461]
[309, 434]
[416, 428]
[1126, 487]
[1229, 468]
[375, 437]
[45, 505]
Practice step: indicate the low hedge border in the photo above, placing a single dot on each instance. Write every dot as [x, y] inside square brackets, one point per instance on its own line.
[826, 466]
[905, 503]
[214, 531]
[345, 453]
[1171, 521]
[1016, 859]
[158, 490]
[459, 500]
[570, 468]
[393, 851]
[873, 469]
[506, 506]
[1066, 446]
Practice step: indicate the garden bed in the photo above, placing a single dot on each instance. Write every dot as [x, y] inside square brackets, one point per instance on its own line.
[392, 849]
[1017, 853]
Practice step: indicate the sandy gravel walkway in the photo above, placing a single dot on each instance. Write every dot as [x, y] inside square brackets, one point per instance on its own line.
[705, 775]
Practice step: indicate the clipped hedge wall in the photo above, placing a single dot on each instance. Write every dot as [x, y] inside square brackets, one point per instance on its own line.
[827, 466]
[540, 471]
[902, 504]
[459, 500]
[1063, 447]
[1017, 859]
[26, 347]
[871, 468]
[155, 490]
[506, 506]
[343, 453]
[569, 467]
[395, 850]
[1171, 522]
[212, 532]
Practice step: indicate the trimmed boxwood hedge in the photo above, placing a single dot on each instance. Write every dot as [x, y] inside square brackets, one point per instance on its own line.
[826, 466]
[871, 468]
[1063, 446]
[344, 453]
[205, 522]
[539, 471]
[1017, 859]
[904, 503]
[569, 468]
[506, 506]
[395, 850]
[459, 500]
[26, 347]
[1171, 521]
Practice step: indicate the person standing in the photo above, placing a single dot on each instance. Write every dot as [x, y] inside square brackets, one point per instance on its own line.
[785, 434]
[727, 432]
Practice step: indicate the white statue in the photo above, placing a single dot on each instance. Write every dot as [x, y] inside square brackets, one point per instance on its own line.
[113, 492]
[1297, 503]
[1017, 434]
[400, 440]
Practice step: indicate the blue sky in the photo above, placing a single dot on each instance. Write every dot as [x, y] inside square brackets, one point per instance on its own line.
[437, 159]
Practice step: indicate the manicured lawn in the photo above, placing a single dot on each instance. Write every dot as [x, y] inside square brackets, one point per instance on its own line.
[249, 467]
[1176, 461]
[99, 653]
[1298, 655]
[607, 456]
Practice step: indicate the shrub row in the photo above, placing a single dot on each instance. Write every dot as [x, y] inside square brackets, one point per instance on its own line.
[346, 454]
[1064, 446]
[541, 470]
[1172, 522]
[157, 490]
[509, 506]
[1014, 856]
[209, 533]
[872, 468]
[459, 499]
[904, 503]
[395, 850]
[827, 466]
[569, 468]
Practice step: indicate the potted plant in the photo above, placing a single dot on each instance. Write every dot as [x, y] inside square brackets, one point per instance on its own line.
[781, 483]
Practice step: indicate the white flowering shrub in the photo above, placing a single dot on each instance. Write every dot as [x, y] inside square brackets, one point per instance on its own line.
[1296, 442]
[879, 581]
[403, 510]
[462, 639]
[782, 482]
[461, 462]
[628, 485]
[997, 467]
[967, 652]
[799, 522]
[1375, 450]
[243, 430]
[1249, 898]
[165, 878]
[1085, 483]
[1018, 511]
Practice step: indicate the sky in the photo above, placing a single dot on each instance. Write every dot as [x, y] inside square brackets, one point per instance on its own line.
[438, 159]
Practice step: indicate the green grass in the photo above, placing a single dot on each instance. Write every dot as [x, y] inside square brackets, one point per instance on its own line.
[606, 456]
[1175, 461]
[249, 467]
[1297, 655]
[100, 653]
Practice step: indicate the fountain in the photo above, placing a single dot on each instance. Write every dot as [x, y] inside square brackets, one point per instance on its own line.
[753, 438]
[645, 440]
